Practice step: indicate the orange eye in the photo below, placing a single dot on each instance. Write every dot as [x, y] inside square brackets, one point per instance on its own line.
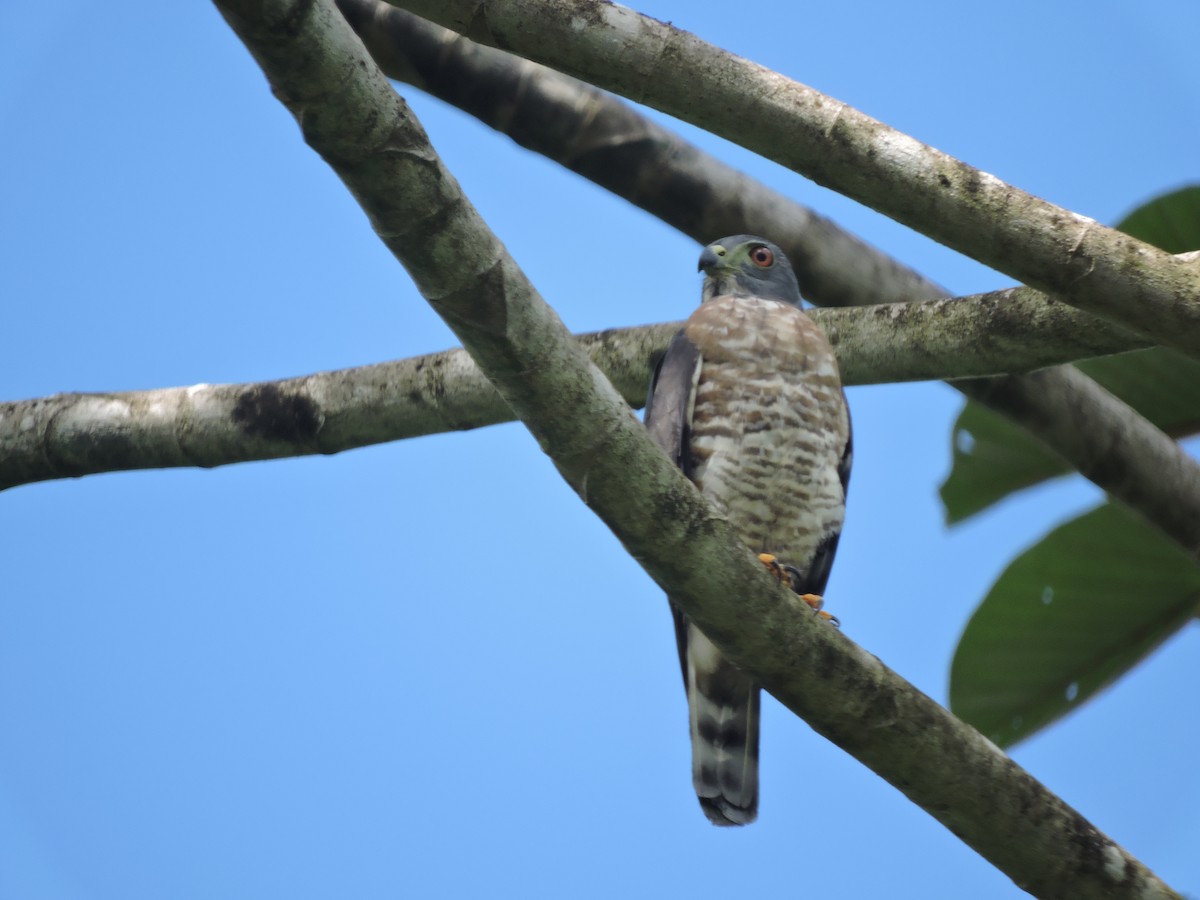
[762, 256]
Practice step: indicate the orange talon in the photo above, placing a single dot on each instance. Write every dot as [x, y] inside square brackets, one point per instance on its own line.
[816, 603]
[773, 566]
[789, 576]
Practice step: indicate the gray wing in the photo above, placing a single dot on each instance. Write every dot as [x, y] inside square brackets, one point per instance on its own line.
[822, 562]
[669, 400]
[669, 421]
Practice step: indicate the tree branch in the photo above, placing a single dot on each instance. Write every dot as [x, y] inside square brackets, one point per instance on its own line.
[349, 114]
[1073, 257]
[69, 435]
[1109, 443]
[604, 139]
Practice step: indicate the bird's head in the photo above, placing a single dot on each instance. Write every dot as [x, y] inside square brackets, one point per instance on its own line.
[747, 265]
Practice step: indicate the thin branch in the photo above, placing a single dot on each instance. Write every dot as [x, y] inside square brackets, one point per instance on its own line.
[69, 435]
[1068, 255]
[349, 114]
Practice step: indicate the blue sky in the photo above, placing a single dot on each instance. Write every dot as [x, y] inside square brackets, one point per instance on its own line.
[425, 669]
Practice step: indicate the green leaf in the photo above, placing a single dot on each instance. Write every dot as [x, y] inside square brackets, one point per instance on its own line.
[1066, 618]
[993, 458]
[1170, 222]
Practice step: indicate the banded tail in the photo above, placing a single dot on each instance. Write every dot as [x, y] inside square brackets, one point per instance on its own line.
[723, 708]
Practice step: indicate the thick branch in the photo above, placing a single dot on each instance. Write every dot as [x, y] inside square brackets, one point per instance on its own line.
[606, 141]
[69, 435]
[349, 114]
[1073, 257]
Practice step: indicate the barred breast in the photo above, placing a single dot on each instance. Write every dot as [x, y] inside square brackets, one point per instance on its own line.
[769, 425]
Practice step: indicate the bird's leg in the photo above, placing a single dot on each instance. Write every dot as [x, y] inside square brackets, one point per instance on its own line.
[791, 576]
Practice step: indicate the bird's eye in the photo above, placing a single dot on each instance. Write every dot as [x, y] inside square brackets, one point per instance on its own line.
[762, 256]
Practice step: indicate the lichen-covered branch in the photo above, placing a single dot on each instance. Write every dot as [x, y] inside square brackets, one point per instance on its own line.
[1070, 256]
[606, 140]
[69, 435]
[349, 114]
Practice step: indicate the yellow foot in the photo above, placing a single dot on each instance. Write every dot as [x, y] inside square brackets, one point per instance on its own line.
[813, 600]
[774, 567]
[790, 576]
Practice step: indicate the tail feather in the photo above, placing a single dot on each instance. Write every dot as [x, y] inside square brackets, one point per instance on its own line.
[723, 705]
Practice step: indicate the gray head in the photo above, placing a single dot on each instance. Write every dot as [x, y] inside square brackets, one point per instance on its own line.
[748, 265]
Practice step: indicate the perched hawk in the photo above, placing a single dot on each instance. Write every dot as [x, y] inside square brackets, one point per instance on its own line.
[748, 402]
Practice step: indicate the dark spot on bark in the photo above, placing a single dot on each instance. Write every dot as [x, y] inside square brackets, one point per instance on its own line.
[265, 411]
[591, 12]
[944, 181]
[1090, 844]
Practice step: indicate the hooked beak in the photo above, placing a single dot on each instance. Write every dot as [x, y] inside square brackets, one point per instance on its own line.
[711, 258]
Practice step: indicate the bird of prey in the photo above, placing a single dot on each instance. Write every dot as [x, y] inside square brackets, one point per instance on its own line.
[748, 402]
